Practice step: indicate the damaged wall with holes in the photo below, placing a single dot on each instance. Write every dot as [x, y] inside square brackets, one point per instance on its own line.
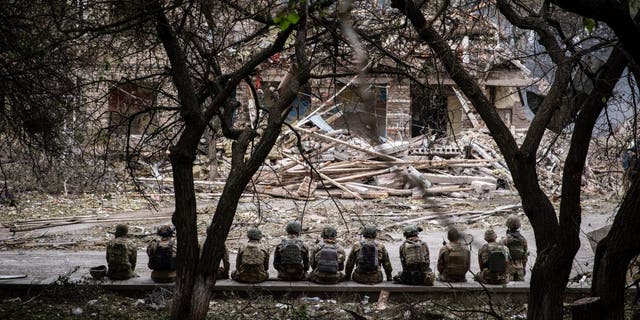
[381, 108]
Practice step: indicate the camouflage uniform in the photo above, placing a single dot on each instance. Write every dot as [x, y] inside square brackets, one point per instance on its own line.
[162, 275]
[325, 277]
[517, 267]
[444, 267]
[630, 166]
[278, 265]
[368, 277]
[251, 274]
[123, 269]
[485, 275]
[416, 275]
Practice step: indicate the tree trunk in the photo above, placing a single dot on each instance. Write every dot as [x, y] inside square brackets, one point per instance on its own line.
[615, 252]
[549, 278]
[200, 297]
[184, 218]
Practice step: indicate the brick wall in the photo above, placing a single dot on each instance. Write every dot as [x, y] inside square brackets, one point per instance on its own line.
[398, 111]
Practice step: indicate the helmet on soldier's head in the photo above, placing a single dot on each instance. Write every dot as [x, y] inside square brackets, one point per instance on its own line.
[369, 231]
[254, 234]
[294, 227]
[513, 223]
[165, 231]
[411, 231]
[329, 232]
[121, 230]
[453, 234]
[490, 235]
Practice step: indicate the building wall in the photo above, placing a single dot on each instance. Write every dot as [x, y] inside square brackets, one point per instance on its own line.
[399, 111]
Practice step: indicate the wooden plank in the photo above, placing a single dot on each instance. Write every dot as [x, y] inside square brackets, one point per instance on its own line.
[371, 152]
[465, 107]
[441, 178]
[333, 182]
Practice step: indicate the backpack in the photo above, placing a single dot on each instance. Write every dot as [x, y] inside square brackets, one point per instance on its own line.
[162, 258]
[368, 257]
[457, 262]
[497, 262]
[327, 259]
[291, 252]
[413, 255]
[119, 257]
[515, 243]
[252, 256]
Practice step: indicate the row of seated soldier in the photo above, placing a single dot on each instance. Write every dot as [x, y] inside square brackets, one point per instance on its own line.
[499, 262]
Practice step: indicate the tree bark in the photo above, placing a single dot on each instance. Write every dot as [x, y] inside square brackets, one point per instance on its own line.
[184, 218]
[615, 252]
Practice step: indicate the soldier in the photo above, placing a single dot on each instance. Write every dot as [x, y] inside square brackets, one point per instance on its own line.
[291, 257]
[327, 259]
[252, 261]
[162, 255]
[367, 256]
[414, 257]
[454, 259]
[630, 166]
[518, 250]
[493, 259]
[121, 255]
[223, 270]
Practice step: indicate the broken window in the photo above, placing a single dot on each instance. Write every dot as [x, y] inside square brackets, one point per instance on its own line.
[300, 104]
[364, 112]
[130, 108]
[428, 110]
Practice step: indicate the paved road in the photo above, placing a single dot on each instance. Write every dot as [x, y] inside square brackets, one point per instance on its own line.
[40, 265]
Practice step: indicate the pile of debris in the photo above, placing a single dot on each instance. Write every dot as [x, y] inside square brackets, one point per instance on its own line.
[343, 166]
[340, 165]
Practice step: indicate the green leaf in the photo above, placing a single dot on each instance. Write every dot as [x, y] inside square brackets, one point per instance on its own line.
[286, 19]
[634, 5]
[604, 99]
[293, 17]
[284, 25]
[589, 24]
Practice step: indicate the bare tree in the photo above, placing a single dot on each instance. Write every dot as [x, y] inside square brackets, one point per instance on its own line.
[557, 237]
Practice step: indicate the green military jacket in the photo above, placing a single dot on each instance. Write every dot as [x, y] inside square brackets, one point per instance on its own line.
[446, 269]
[487, 275]
[121, 264]
[244, 273]
[383, 260]
[425, 251]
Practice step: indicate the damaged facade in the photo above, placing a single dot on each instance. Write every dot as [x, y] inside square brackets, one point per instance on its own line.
[398, 109]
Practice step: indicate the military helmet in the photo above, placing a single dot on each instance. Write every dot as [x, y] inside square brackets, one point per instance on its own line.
[98, 272]
[453, 234]
[294, 227]
[121, 230]
[329, 232]
[411, 231]
[513, 223]
[165, 231]
[369, 231]
[490, 235]
[254, 234]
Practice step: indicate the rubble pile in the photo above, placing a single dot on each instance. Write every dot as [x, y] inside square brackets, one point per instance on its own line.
[345, 166]
[341, 165]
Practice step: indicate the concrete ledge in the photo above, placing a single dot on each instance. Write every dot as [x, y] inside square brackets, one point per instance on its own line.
[277, 286]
